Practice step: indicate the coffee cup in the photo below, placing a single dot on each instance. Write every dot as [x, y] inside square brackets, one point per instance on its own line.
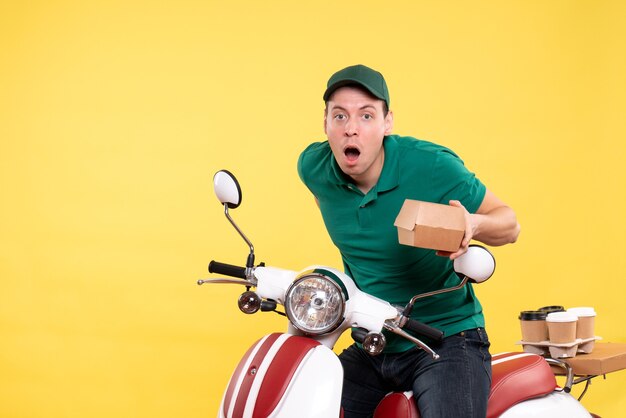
[561, 327]
[586, 322]
[533, 324]
[552, 308]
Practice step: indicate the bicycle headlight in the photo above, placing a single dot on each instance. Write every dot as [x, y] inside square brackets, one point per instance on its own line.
[315, 303]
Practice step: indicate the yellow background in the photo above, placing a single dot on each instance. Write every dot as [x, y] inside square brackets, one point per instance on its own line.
[114, 115]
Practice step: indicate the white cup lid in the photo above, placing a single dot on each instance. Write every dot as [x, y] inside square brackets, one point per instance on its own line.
[562, 317]
[582, 311]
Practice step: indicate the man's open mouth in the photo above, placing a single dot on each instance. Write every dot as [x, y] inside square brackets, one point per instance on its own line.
[351, 153]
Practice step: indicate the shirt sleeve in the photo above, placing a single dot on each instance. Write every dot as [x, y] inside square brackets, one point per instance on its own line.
[307, 165]
[456, 182]
[300, 167]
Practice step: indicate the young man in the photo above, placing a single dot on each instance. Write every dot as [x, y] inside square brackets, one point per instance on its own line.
[360, 178]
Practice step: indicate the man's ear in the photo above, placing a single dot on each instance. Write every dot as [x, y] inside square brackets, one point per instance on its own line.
[325, 115]
[389, 123]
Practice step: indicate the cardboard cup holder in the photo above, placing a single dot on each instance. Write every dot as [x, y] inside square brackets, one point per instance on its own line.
[586, 345]
[560, 350]
[558, 333]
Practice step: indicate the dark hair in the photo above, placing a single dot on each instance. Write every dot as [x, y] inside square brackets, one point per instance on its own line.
[366, 91]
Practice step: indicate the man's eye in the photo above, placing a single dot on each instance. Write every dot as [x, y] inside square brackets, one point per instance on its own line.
[367, 116]
[340, 117]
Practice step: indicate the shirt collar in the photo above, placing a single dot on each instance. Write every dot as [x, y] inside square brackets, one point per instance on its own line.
[389, 178]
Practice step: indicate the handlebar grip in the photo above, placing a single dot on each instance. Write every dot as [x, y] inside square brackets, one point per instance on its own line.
[227, 269]
[423, 329]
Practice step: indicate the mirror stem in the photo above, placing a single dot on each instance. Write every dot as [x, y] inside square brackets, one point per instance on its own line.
[250, 262]
[409, 307]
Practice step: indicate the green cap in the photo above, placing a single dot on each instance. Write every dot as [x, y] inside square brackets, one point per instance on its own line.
[371, 80]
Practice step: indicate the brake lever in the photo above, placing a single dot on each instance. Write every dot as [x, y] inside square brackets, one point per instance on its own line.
[396, 330]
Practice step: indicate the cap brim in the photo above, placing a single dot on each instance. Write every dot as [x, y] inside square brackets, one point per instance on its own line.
[348, 82]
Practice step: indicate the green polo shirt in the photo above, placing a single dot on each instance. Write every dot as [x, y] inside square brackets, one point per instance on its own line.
[361, 226]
